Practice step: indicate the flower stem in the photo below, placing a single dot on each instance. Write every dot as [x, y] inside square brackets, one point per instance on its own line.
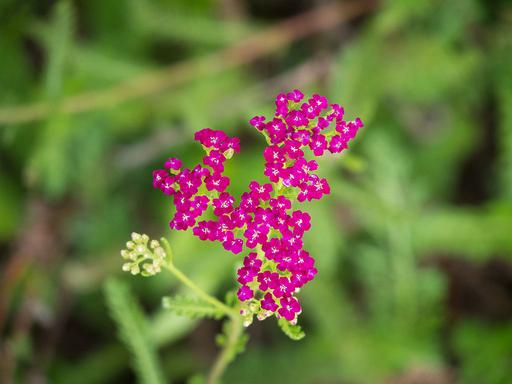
[231, 312]
[229, 351]
[199, 292]
[235, 325]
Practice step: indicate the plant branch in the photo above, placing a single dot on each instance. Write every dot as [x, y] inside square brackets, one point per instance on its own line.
[262, 43]
[193, 286]
[229, 350]
[199, 292]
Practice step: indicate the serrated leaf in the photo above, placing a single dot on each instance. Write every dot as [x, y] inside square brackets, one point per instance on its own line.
[192, 307]
[294, 332]
[133, 330]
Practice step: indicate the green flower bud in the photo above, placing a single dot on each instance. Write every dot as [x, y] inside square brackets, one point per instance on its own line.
[140, 256]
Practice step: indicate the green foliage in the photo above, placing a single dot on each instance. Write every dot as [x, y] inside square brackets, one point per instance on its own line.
[193, 28]
[294, 332]
[429, 175]
[133, 330]
[49, 166]
[192, 307]
[493, 366]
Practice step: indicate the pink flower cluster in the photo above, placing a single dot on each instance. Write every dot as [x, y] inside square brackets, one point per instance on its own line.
[263, 220]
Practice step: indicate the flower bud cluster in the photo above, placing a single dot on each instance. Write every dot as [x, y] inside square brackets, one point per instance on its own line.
[139, 258]
[262, 220]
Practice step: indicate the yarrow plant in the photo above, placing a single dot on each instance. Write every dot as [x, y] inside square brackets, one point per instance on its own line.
[263, 223]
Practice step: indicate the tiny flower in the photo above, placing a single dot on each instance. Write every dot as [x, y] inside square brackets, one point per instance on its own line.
[252, 262]
[337, 144]
[281, 105]
[296, 119]
[258, 122]
[268, 303]
[265, 279]
[167, 186]
[199, 205]
[290, 307]
[182, 221]
[202, 230]
[261, 191]
[273, 172]
[318, 101]
[233, 245]
[300, 221]
[216, 182]
[282, 287]
[274, 154]
[272, 248]
[249, 201]
[255, 235]
[281, 203]
[215, 160]
[245, 293]
[159, 176]
[302, 136]
[295, 96]
[276, 130]
[173, 164]
[292, 149]
[223, 204]
[318, 145]
[245, 275]
[337, 113]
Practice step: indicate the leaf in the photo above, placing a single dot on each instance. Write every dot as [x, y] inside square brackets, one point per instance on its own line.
[294, 332]
[192, 307]
[186, 26]
[61, 36]
[133, 331]
[49, 165]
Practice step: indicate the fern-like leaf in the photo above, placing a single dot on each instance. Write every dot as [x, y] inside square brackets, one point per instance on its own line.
[192, 307]
[294, 332]
[133, 331]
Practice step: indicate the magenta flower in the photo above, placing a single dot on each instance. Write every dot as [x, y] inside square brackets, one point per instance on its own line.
[245, 293]
[216, 182]
[215, 160]
[261, 191]
[318, 144]
[223, 204]
[295, 96]
[262, 218]
[337, 144]
[268, 303]
[258, 122]
[266, 279]
[173, 164]
[282, 287]
[290, 307]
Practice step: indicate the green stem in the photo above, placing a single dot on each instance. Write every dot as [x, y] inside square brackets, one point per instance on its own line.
[199, 292]
[193, 286]
[229, 351]
[235, 329]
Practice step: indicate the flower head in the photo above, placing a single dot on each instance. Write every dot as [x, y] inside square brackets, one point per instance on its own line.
[141, 257]
[262, 219]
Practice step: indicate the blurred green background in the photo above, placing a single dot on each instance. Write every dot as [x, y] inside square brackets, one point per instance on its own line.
[414, 246]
